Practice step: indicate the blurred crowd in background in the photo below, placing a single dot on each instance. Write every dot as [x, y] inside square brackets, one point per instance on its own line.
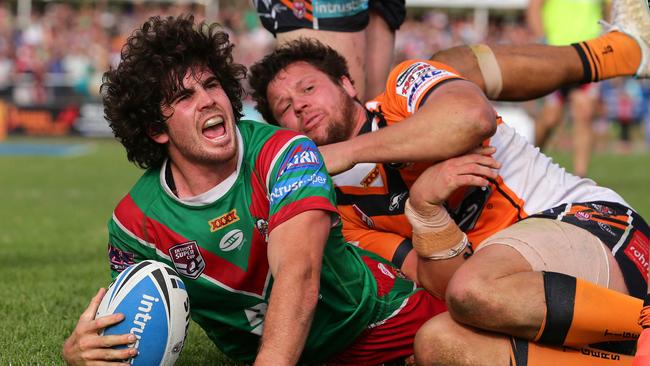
[58, 57]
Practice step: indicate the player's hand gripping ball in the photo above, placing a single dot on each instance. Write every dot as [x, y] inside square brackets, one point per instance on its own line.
[154, 301]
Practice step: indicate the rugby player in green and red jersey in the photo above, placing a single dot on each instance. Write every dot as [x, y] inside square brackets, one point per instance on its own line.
[245, 212]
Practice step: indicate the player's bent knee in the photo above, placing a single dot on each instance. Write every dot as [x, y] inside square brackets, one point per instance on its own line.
[435, 342]
[465, 295]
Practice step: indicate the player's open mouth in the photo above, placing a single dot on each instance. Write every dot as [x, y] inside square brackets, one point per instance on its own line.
[214, 128]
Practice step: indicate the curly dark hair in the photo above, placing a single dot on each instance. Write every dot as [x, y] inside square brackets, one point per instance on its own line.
[311, 51]
[154, 61]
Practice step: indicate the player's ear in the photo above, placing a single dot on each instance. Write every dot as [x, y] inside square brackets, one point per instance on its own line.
[161, 137]
[348, 86]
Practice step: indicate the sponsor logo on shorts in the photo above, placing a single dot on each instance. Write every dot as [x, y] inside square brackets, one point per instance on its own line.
[291, 185]
[370, 177]
[187, 259]
[637, 252]
[382, 267]
[223, 220]
[606, 228]
[583, 216]
[299, 9]
[603, 210]
[232, 240]
[119, 259]
[338, 8]
[365, 218]
[305, 156]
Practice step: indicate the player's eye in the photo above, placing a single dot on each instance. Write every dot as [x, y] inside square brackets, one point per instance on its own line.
[285, 109]
[309, 88]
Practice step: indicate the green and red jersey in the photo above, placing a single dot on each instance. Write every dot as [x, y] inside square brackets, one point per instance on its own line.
[217, 242]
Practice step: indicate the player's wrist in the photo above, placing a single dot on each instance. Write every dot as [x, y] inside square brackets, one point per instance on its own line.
[435, 234]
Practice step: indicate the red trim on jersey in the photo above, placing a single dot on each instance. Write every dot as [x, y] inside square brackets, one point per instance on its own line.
[270, 150]
[294, 208]
[252, 280]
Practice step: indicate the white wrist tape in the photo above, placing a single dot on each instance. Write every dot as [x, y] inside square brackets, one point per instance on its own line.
[435, 235]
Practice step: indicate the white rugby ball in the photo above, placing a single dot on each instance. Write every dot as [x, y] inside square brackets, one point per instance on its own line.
[154, 301]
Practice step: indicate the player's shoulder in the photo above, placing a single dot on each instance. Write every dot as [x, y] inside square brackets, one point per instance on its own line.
[265, 145]
[260, 135]
[142, 194]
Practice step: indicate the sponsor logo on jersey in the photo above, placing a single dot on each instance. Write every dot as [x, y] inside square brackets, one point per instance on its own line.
[606, 228]
[365, 218]
[305, 156]
[262, 227]
[187, 259]
[223, 220]
[637, 252]
[285, 188]
[119, 259]
[338, 8]
[583, 216]
[396, 200]
[232, 240]
[370, 177]
[416, 80]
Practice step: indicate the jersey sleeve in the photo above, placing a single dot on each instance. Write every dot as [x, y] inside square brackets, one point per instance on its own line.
[124, 246]
[297, 181]
[390, 246]
[409, 83]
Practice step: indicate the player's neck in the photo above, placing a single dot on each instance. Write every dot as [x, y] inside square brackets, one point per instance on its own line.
[360, 117]
[192, 179]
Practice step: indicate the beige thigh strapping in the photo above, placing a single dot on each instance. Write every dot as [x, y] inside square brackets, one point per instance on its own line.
[551, 245]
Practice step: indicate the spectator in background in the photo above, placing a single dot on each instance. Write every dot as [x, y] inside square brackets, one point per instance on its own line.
[563, 22]
[363, 31]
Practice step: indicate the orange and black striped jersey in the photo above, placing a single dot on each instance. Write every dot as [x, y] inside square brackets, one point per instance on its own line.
[371, 196]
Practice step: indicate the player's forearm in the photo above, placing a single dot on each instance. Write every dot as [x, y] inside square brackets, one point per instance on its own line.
[287, 322]
[450, 123]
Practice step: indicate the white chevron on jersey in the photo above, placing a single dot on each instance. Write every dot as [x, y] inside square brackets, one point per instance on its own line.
[537, 180]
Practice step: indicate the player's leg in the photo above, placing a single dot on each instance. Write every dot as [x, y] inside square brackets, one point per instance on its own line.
[442, 341]
[386, 16]
[547, 281]
[582, 104]
[548, 118]
[512, 72]
[341, 29]
[380, 41]
[351, 45]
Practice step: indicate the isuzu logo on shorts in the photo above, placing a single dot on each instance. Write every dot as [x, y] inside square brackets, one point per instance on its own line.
[187, 259]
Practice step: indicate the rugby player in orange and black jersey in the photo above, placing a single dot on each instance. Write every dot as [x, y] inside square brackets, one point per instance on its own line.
[371, 196]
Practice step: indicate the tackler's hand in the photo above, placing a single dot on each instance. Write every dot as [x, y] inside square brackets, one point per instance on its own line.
[438, 182]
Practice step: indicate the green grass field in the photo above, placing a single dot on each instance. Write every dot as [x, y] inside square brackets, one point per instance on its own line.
[53, 213]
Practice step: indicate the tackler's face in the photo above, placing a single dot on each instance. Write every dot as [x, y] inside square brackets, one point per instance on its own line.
[306, 100]
[201, 124]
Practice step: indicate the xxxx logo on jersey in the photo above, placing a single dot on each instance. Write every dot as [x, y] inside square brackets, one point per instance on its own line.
[223, 220]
